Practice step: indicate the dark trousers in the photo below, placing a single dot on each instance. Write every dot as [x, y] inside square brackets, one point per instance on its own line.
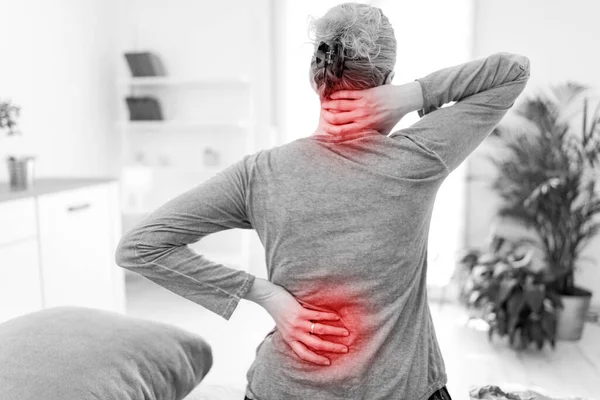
[441, 394]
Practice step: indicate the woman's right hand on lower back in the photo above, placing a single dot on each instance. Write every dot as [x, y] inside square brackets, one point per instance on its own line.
[294, 322]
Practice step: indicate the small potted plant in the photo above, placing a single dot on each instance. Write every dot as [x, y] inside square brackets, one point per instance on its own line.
[547, 181]
[514, 300]
[20, 167]
[9, 113]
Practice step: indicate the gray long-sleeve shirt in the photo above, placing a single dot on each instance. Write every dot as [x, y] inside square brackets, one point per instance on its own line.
[344, 222]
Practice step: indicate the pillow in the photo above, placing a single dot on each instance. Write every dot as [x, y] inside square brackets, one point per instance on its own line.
[72, 353]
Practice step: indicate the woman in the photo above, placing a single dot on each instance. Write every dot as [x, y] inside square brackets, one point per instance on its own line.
[343, 215]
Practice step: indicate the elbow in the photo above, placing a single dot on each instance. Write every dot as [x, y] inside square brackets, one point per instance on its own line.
[126, 255]
[517, 65]
[524, 66]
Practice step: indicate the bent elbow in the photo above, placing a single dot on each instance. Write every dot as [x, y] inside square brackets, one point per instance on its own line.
[515, 66]
[524, 65]
[125, 253]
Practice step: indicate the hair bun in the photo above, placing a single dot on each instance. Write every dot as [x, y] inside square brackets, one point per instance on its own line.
[331, 55]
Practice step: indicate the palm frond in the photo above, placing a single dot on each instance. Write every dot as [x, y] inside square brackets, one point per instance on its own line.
[543, 181]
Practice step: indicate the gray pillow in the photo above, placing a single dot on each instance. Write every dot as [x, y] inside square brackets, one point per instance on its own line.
[73, 353]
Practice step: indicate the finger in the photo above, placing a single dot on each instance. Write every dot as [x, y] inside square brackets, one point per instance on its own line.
[304, 353]
[320, 315]
[346, 94]
[322, 329]
[339, 105]
[342, 117]
[317, 343]
[343, 129]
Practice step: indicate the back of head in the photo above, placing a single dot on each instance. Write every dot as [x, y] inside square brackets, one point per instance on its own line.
[355, 48]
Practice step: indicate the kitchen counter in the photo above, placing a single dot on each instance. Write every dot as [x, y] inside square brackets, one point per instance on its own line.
[49, 185]
[45, 233]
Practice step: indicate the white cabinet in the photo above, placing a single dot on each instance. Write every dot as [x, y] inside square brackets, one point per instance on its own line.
[75, 244]
[17, 220]
[20, 286]
[57, 248]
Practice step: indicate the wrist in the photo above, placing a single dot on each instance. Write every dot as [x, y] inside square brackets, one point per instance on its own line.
[410, 96]
[260, 291]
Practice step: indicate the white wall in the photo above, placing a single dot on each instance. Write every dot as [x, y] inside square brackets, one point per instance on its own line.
[58, 64]
[560, 39]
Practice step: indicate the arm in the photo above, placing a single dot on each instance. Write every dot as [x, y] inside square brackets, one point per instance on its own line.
[157, 248]
[484, 90]
[497, 71]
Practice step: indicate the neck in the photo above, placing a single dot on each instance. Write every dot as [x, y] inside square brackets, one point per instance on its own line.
[321, 127]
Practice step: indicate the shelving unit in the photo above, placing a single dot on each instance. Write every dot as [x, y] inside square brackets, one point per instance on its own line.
[214, 96]
[143, 142]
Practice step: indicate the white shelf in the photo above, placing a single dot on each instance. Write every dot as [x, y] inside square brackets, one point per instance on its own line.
[180, 125]
[153, 81]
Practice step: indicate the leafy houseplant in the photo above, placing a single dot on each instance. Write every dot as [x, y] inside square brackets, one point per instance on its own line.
[9, 114]
[512, 299]
[548, 182]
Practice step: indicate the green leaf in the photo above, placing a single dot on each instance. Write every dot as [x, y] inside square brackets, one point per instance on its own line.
[525, 338]
[474, 297]
[554, 298]
[548, 326]
[506, 289]
[534, 296]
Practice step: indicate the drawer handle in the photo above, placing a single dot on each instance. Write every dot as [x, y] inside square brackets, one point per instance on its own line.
[78, 207]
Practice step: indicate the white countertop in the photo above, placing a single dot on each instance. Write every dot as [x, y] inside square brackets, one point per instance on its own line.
[49, 185]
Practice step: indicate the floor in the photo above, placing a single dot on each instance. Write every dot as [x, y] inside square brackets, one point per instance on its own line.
[572, 369]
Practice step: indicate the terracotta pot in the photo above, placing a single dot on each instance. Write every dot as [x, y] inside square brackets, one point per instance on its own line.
[571, 318]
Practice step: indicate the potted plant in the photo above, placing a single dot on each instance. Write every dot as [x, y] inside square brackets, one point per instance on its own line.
[547, 180]
[9, 114]
[514, 300]
[20, 167]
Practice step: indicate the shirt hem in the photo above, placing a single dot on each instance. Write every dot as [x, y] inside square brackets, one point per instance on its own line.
[434, 387]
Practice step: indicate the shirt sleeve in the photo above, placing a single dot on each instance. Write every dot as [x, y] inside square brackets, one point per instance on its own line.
[483, 89]
[157, 248]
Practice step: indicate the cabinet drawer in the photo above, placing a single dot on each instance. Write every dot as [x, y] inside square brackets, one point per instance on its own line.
[17, 220]
[69, 204]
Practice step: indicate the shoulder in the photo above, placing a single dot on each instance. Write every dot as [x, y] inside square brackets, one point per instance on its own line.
[287, 150]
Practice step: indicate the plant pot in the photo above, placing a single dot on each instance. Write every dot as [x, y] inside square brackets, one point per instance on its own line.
[571, 318]
[21, 172]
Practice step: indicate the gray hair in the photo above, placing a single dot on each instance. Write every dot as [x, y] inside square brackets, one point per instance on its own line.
[355, 48]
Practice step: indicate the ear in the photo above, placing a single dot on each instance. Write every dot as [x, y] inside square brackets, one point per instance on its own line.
[388, 78]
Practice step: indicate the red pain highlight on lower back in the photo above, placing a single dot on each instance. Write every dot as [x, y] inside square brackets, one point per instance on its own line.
[353, 317]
